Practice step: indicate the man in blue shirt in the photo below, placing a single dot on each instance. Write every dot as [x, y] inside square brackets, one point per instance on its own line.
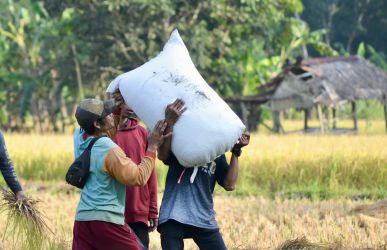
[8, 171]
[187, 209]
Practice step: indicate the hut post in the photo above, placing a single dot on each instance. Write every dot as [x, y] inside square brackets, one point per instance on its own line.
[320, 117]
[306, 114]
[326, 117]
[276, 121]
[334, 117]
[354, 115]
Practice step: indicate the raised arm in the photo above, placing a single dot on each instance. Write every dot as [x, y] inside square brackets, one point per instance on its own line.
[233, 170]
[8, 170]
[123, 169]
[172, 114]
[118, 114]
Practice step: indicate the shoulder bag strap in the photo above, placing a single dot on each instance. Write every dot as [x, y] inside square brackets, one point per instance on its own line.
[94, 140]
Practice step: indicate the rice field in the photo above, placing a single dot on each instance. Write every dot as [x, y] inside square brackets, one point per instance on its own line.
[293, 165]
[247, 222]
[331, 190]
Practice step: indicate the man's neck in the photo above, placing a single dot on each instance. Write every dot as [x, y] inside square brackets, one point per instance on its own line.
[99, 133]
[123, 123]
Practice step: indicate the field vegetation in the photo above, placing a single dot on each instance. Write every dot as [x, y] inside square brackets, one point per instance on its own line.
[292, 165]
[246, 222]
[325, 191]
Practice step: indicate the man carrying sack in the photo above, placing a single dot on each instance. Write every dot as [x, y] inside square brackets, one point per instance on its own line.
[99, 220]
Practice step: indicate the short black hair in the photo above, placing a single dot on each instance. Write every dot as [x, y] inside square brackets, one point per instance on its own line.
[91, 129]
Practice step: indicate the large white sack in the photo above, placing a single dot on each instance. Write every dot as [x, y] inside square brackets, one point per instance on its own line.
[207, 129]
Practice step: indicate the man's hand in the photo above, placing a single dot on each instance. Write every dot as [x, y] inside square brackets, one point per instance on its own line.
[244, 140]
[20, 195]
[157, 137]
[174, 111]
[116, 95]
[153, 224]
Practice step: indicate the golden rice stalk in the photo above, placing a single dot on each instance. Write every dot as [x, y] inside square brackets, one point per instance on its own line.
[26, 227]
[300, 243]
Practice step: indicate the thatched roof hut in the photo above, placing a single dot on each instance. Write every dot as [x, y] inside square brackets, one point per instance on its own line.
[325, 82]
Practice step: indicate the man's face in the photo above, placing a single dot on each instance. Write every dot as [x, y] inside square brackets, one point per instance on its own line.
[108, 123]
[126, 111]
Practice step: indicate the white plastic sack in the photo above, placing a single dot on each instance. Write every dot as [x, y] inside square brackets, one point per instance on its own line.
[207, 129]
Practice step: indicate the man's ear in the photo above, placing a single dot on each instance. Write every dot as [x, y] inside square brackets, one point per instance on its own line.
[97, 125]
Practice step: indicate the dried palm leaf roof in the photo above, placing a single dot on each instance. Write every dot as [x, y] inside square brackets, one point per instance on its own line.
[328, 81]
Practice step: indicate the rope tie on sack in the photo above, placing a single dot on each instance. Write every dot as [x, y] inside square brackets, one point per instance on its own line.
[181, 175]
[193, 175]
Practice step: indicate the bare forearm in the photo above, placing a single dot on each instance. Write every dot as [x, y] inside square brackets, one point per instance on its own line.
[232, 174]
[173, 112]
[165, 148]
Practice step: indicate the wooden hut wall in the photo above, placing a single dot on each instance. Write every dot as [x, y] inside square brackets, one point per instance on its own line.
[292, 92]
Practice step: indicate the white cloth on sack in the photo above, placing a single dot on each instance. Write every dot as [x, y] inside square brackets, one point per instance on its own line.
[207, 129]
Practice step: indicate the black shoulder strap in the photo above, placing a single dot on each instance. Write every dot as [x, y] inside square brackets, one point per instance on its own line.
[94, 140]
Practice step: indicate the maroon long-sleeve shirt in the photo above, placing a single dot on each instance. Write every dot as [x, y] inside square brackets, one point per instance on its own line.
[141, 202]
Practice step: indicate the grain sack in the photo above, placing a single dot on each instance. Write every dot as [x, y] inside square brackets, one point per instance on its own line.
[207, 129]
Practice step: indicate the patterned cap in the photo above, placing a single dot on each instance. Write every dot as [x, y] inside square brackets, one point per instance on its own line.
[90, 110]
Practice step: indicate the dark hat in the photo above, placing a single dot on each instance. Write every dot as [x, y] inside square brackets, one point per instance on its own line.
[90, 110]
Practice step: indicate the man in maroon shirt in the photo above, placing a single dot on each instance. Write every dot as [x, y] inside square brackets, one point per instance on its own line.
[141, 202]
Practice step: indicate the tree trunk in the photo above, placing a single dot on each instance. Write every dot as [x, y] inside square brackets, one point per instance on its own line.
[34, 106]
[64, 113]
[55, 102]
[78, 72]
[254, 117]
[354, 115]
[306, 114]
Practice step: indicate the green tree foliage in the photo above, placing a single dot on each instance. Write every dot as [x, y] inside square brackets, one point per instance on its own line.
[225, 38]
[350, 24]
[55, 52]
